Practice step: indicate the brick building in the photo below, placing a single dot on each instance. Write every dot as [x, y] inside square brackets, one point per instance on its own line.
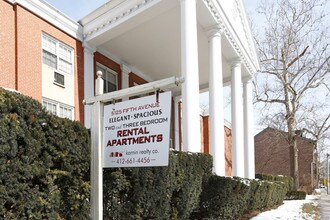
[272, 157]
[41, 55]
[46, 55]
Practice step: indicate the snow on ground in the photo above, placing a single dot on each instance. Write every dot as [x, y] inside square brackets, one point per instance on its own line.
[290, 210]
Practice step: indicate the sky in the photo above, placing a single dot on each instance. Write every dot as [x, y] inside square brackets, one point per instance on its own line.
[76, 9]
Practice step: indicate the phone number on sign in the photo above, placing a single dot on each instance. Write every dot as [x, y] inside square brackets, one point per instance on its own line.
[133, 160]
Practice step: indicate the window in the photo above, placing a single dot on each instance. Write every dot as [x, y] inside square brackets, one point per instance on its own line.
[57, 108]
[57, 55]
[50, 107]
[110, 78]
[65, 112]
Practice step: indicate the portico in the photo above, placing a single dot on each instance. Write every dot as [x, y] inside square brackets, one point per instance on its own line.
[206, 42]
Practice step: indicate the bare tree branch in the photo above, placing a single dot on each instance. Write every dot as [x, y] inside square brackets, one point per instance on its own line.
[294, 54]
[297, 58]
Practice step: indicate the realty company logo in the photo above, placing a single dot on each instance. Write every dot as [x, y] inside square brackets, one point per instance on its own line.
[116, 154]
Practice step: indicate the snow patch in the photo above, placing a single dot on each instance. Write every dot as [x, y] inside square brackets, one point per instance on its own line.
[290, 210]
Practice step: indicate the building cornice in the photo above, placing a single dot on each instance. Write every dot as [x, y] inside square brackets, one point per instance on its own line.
[50, 14]
[114, 15]
[248, 58]
[247, 31]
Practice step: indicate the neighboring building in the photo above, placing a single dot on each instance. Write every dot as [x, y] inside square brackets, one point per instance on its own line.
[46, 55]
[42, 59]
[272, 157]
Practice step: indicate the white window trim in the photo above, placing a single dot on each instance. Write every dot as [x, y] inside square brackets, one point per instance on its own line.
[58, 105]
[58, 43]
[109, 70]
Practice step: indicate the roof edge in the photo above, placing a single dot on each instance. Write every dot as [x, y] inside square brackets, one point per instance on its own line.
[284, 132]
[52, 15]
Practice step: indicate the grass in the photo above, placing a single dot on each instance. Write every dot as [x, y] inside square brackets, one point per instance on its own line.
[310, 211]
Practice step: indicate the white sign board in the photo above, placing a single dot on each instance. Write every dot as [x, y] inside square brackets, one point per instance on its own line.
[137, 132]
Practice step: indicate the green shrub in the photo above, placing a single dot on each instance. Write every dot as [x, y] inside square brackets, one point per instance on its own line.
[296, 195]
[44, 162]
[223, 198]
[156, 192]
[287, 180]
[229, 198]
[44, 165]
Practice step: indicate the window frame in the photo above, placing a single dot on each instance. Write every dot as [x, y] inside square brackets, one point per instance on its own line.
[60, 58]
[58, 106]
[108, 71]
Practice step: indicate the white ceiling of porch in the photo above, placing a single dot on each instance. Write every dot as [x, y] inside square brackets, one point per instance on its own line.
[153, 46]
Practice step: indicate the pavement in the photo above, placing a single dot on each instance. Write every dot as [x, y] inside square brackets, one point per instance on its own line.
[324, 205]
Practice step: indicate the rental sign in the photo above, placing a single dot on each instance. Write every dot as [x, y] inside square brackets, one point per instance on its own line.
[137, 132]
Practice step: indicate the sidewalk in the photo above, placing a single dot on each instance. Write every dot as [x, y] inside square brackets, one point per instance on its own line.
[324, 205]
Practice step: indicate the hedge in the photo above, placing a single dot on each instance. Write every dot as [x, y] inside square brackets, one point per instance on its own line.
[44, 162]
[287, 180]
[266, 194]
[222, 198]
[44, 165]
[229, 198]
[296, 195]
[157, 192]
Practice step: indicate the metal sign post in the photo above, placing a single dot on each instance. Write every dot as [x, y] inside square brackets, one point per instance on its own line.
[96, 160]
[97, 103]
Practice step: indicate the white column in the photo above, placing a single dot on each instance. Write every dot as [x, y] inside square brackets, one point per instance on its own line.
[88, 81]
[125, 70]
[217, 144]
[237, 119]
[189, 70]
[248, 129]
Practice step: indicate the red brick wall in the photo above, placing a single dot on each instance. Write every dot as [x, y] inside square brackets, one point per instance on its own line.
[205, 124]
[29, 29]
[133, 78]
[79, 82]
[228, 151]
[272, 156]
[202, 129]
[205, 134]
[29, 53]
[7, 45]
[105, 61]
[305, 159]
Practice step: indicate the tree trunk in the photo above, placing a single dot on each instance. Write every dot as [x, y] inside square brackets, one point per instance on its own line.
[294, 171]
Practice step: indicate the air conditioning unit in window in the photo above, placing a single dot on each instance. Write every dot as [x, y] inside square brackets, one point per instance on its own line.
[59, 79]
